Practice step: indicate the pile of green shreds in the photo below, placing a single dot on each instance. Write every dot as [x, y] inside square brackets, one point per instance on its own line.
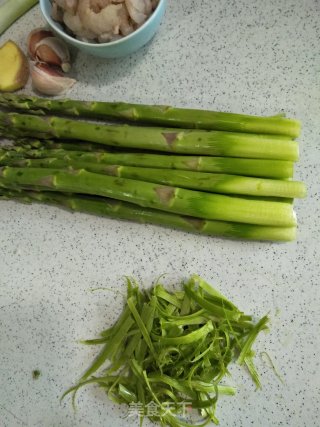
[172, 350]
[200, 171]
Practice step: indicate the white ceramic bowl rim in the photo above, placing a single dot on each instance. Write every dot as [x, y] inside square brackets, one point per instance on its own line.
[100, 45]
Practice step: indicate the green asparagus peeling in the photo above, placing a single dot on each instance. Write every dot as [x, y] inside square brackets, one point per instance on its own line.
[157, 115]
[170, 350]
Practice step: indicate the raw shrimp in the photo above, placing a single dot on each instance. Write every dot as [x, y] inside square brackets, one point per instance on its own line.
[75, 25]
[126, 26]
[148, 6]
[57, 12]
[97, 5]
[139, 10]
[107, 21]
[154, 3]
[105, 38]
[67, 5]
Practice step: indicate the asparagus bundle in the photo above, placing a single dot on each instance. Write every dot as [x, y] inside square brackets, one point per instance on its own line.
[222, 183]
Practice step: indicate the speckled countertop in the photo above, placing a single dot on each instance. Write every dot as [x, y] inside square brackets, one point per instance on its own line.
[260, 57]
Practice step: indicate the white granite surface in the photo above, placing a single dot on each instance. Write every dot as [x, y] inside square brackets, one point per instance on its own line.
[258, 57]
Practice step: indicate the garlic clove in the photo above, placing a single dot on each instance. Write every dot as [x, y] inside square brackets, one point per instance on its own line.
[49, 80]
[53, 51]
[34, 38]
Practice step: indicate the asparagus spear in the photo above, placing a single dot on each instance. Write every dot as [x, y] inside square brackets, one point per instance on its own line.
[279, 169]
[122, 210]
[211, 182]
[171, 199]
[159, 115]
[213, 143]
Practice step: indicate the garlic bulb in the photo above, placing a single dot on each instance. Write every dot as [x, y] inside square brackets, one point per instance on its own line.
[48, 80]
[34, 38]
[53, 51]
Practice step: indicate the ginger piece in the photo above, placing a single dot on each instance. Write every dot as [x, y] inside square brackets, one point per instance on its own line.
[14, 68]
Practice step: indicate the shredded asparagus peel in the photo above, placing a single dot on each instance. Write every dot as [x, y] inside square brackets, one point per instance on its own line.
[171, 350]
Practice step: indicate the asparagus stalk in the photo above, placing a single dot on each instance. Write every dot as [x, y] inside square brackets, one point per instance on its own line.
[170, 199]
[159, 115]
[213, 143]
[127, 211]
[278, 169]
[211, 182]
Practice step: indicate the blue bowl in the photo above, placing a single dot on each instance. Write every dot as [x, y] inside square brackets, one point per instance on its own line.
[115, 49]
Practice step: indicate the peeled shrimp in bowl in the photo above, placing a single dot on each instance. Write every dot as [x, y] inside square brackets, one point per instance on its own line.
[102, 20]
[105, 28]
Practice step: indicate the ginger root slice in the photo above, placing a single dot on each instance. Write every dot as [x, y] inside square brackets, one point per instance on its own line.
[14, 67]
